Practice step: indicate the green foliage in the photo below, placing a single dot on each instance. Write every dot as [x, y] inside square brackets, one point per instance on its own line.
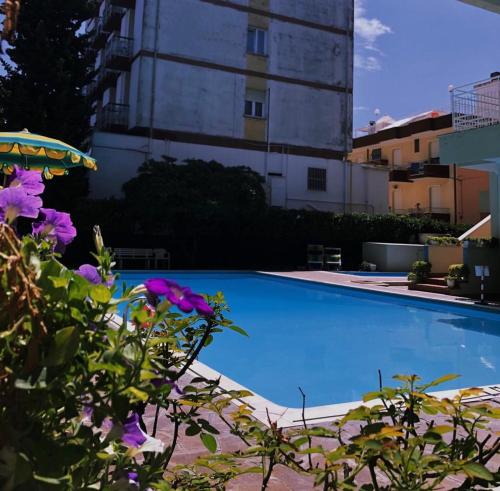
[420, 271]
[481, 242]
[42, 89]
[193, 198]
[459, 272]
[442, 241]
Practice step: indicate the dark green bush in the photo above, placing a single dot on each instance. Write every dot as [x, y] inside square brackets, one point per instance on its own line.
[420, 271]
[459, 272]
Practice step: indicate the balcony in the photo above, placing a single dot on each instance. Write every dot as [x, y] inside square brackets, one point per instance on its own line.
[419, 171]
[399, 175]
[128, 4]
[112, 17]
[98, 35]
[118, 53]
[476, 105]
[113, 117]
[105, 79]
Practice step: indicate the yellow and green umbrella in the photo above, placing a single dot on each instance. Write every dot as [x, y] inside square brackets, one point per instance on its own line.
[36, 152]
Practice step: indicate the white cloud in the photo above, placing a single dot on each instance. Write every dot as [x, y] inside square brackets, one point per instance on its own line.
[367, 31]
[368, 63]
[361, 108]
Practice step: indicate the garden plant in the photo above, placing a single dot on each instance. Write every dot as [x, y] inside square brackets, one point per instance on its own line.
[82, 357]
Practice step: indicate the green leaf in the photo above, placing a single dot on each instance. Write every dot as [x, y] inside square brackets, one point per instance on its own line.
[477, 470]
[237, 329]
[63, 346]
[100, 294]
[138, 394]
[209, 441]
[442, 380]
[59, 282]
[192, 430]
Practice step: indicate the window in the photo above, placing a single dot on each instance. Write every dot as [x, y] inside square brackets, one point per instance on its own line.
[256, 41]
[255, 103]
[416, 145]
[316, 179]
[377, 154]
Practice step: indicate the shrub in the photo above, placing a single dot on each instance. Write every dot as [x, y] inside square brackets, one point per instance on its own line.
[442, 241]
[420, 271]
[459, 272]
[481, 242]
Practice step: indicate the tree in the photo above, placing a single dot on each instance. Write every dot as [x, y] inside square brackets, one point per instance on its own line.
[191, 199]
[48, 66]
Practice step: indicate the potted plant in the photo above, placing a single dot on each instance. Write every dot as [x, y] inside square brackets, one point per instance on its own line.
[457, 273]
[451, 281]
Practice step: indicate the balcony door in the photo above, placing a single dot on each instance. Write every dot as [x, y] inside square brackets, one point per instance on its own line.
[396, 158]
[434, 198]
[397, 201]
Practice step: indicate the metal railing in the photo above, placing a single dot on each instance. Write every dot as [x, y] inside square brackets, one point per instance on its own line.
[476, 105]
[330, 206]
[422, 211]
[118, 50]
[113, 115]
[111, 17]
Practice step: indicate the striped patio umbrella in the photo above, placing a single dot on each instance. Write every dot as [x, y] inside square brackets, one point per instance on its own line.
[37, 152]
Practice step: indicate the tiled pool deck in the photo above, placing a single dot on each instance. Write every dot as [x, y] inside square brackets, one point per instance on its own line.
[189, 448]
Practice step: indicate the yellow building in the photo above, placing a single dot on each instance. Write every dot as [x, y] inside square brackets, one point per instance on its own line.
[418, 183]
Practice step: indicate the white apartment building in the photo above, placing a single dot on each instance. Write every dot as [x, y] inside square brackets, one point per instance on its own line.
[261, 83]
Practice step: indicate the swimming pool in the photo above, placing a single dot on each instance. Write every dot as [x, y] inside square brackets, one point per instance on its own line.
[377, 274]
[331, 340]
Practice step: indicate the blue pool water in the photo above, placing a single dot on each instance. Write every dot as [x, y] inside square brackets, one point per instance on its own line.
[331, 340]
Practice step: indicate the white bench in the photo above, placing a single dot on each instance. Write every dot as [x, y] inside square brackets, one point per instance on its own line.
[146, 255]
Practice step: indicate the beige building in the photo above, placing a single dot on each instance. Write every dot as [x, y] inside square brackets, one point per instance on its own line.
[418, 183]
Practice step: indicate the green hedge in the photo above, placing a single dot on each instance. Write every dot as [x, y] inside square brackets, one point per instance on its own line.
[272, 238]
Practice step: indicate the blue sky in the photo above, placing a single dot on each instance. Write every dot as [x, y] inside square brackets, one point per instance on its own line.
[407, 53]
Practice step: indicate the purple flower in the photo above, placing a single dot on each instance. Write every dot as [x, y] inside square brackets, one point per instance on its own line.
[92, 275]
[29, 180]
[132, 434]
[183, 297]
[133, 478]
[160, 382]
[57, 226]
[15, 202]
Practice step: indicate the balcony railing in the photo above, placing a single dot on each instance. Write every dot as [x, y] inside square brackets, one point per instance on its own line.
[399, 175]
[118, 53]
[112, 17]
[442, 214]
[98, 34]
[106, 78]
[113, 117]
[476, 105]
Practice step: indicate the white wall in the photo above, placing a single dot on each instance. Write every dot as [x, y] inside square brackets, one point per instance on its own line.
[327, 12]
[119, 157]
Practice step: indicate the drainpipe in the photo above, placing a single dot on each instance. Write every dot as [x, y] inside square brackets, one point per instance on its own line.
[153, 82]
[268, 145]
[455, 192]
[348, 73]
